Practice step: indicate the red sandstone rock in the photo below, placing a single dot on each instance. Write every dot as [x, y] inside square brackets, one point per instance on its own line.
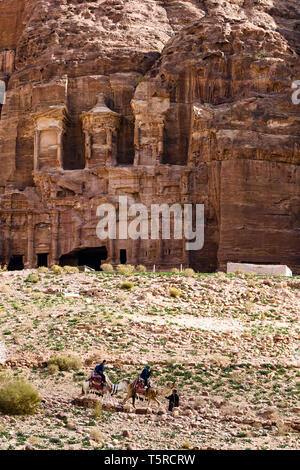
[184, 103]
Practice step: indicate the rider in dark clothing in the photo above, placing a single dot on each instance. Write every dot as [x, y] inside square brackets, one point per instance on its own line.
[99, 370]
[145, 375]
[173, 400]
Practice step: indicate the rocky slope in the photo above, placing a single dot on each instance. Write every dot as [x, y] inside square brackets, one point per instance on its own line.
[230, 344]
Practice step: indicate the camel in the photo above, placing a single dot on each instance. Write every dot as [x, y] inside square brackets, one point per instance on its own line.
[150, 393]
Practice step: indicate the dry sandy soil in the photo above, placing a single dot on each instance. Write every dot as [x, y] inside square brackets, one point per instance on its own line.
[231, 344]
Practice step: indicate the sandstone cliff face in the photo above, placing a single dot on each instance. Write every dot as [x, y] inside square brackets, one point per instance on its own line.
[162, 101]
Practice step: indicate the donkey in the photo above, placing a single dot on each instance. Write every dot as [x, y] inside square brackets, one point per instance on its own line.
[107, 389]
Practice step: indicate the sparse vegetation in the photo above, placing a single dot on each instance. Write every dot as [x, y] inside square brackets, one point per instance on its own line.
[174, 292]
[227, 344]
[66, 362]
[127, 285]
[71, 269]
[57, 269]
[34, 278]
[52, 368]
[96, 435]
[107, 268]
[18, 398]
[42, 269]
[98, 411]
[189, 272]
[126, 269]
[141, 269]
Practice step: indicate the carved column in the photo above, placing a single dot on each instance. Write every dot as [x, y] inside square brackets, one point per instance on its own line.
[29, 263]
[50, 127]
[150, 111]
[54, 239]
[100, 127]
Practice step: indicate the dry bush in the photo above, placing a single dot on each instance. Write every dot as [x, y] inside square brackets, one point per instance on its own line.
[126, 269]
[35, 440]
[282, 427]
[66, 362]
[52, 369]
[250, 307]
[3, 267]
[96, 435]
[107, 268]
[174, 292]
[18, 398]
[220, 274]
[5, 289]
[57, 269]
[175, 271]
[140, 268]
[71, 269]
[34, 278]
[3, 376]
[43, 269]
[98, 411]
[189, 272]
[26, 325]
[186, 445]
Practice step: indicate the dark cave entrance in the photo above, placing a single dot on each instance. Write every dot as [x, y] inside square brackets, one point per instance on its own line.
[125, 155]
[42, 260]
[91, 257]
[73, 146]
[15, 263]
[123, 256]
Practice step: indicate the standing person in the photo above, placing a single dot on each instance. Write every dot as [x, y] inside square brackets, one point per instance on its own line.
[145, 375]
[99, 370]
[173, 400]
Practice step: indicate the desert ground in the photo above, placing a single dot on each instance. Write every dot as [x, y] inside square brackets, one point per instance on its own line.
[230, 343]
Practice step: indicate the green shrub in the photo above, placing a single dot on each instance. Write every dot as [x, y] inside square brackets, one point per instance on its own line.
[174, 292]
[32, 278]
[66, 362]
[107, 268]
[141, 268]
[127, 285]
[18, 398]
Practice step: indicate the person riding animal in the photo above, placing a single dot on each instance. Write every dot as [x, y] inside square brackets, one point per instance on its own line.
[145, 375]
[99, 370]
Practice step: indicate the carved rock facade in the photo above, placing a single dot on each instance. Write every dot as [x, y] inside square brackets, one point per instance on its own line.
[162, 102]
